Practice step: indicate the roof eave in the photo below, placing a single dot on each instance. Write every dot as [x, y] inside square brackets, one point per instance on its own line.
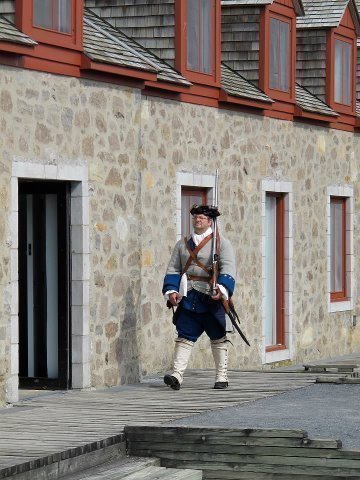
[143, 75]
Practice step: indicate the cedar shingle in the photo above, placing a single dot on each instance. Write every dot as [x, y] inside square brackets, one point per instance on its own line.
[149, 22]
[104, 43]
[310, 103]
[236, 85]
[326, 13]
[9, 33]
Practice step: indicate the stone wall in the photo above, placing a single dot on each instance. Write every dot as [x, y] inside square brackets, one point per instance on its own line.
[133, 147]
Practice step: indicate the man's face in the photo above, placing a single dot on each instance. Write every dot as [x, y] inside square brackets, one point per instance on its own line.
[201, 223]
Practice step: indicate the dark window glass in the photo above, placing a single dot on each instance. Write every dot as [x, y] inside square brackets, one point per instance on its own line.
[279, 55]
[53, 15]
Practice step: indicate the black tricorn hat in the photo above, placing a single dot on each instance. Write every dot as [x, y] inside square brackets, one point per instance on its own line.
[207, 210]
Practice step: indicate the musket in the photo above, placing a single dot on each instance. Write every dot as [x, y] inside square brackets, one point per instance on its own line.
[227, 304]
[215, 258]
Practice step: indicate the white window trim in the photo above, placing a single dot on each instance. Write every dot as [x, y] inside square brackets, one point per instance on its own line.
[269, 185]
[80, 275]
[348, 193]
[184, 179]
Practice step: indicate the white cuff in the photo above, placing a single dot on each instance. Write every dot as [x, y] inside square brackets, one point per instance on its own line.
[224, 291]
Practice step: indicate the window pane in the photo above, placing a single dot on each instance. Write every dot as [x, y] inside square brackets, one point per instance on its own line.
[187, 201]
[43, 13]
[63, 16]
[274, 53]
[336, 247]
[284, 56]
[207, 35]
[338, 72]
[193, 23]
[347, 74]
[270, 270]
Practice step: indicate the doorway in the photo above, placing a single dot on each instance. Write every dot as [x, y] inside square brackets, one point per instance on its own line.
[44, 285]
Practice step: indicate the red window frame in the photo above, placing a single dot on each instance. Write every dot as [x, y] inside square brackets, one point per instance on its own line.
[281, 61]
[343, 42]
[284, 14]
[341, 295]
[213, 78]
[280, 273]
[72, 40]
[347, 35]
[189, 192]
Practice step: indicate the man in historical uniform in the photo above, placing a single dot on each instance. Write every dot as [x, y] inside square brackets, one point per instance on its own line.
[199, 307]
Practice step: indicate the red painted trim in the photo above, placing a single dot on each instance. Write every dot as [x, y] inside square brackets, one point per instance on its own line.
[15, 48]
[278, 115]
[280, 272]
[112, 79]
[341, 295]
[341, 126]
[55, 54]
[275, 348]
[285, 14]
[213, 79]
[24, 22]
[345, 34]
[48, 66]
[313, 116]
[87, 64]
[224, 97]
[169, 87]
[198, 100]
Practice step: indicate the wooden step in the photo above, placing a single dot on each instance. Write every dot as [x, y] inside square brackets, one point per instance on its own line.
[330, 367]
[232, 453]
[114, 470]
[161, 473]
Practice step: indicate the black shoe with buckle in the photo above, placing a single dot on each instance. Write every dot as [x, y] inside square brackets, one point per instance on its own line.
[172, 382]
[221, 385]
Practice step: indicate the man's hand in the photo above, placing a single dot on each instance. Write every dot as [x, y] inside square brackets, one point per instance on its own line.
[174, 298]
[217, 295]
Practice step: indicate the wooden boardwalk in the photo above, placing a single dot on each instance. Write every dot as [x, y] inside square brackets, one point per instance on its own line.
[45, 425]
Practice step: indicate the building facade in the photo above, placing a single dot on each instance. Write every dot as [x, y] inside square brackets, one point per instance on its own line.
[114, 118]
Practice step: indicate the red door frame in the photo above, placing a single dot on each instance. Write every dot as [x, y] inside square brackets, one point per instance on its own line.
[280, 272]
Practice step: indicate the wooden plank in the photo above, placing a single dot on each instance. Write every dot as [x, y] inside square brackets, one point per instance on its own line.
[157, 449]
[217, 431]
[264, 468]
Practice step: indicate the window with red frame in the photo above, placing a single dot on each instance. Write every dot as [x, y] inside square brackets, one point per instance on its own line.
[200, 35]
[52, 15]
[343, 72]
[279, 75]
[337, 248]
[189, 197]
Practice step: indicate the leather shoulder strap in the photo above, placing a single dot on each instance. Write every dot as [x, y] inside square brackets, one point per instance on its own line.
[193, 254]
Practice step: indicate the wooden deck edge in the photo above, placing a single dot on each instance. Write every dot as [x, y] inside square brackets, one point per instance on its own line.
[68, 461]
[230, 450]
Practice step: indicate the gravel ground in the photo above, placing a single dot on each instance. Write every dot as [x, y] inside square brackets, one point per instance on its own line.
[324, 411]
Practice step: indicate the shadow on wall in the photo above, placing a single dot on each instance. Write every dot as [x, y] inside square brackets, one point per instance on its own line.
[127, 349]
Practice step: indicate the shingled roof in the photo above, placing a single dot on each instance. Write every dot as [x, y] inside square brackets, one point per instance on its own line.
[298, 4]
[309, 103]
[9, 33]
[236, 85]
[105, 44]
[327, 14]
